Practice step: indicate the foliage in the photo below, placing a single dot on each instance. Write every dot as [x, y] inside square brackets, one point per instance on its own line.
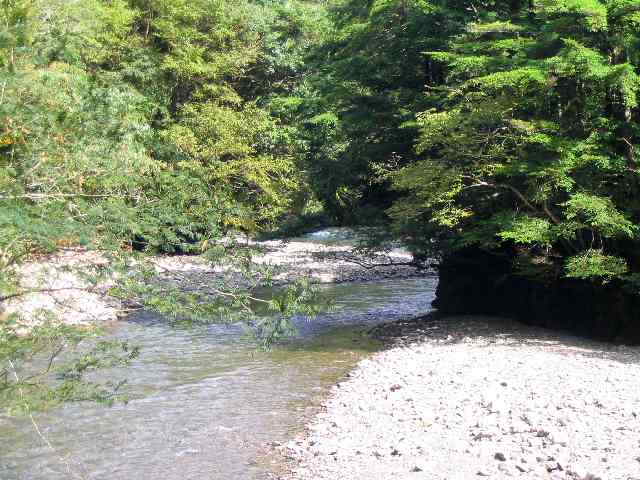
[531, 140]
[38, 371]
[136, 127]
[357, 109]
[506, 125]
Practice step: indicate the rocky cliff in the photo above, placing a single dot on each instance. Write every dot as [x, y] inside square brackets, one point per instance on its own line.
[478, 282]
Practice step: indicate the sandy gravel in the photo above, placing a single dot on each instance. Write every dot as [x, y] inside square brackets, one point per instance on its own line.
[60, 293]
[314, 261]
[465, 398]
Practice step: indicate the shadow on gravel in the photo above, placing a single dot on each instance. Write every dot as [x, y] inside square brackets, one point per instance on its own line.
[484, 331]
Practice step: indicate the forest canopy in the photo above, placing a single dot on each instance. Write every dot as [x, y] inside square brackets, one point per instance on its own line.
[509, 126]
[143, 127]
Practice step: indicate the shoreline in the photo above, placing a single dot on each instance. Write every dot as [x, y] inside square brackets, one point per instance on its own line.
[472, 397]
[73, 301]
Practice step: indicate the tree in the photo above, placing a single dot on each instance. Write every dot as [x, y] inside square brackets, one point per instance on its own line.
[359, 110]
[532, 143]
[134, 128]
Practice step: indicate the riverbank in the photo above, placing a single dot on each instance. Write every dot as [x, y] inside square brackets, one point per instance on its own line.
[473, 397]
[60, 292]
[203, 401]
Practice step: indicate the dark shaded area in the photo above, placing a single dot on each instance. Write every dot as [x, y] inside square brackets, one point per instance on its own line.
[478, 282]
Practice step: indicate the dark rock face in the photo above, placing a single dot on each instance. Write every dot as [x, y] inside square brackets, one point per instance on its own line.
[478, 282]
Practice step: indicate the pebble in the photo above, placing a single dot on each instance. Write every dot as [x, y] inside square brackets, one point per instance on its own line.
[463, 423]
[290, 261]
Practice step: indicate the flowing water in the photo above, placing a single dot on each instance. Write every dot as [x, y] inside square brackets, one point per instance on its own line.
[204, 402]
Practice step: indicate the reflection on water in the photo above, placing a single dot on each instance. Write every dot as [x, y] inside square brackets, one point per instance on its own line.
[205, 402]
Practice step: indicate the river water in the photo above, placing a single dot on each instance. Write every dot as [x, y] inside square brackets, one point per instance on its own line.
[204, 402]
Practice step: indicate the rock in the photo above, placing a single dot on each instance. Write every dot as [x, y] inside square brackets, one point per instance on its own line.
[500, 457]
[553, 467]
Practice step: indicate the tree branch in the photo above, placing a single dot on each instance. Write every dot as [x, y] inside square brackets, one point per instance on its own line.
[517, 193]
[38, 196]
[11, 296]
[212, 289]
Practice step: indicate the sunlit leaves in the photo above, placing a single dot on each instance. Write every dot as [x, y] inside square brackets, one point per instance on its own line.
[527, 230]
[139, 127]
[600, 214]
[52, 363]
[591, 13]
[535, 120]
[517, 81]
[595, 265]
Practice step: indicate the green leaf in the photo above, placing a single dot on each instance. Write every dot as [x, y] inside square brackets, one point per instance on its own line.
[594, 264]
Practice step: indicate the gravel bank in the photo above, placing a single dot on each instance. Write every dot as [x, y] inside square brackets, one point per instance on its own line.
[61, 292]
[316, 262]
[464, 398]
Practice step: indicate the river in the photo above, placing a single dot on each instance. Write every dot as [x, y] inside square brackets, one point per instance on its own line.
[205, 403]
